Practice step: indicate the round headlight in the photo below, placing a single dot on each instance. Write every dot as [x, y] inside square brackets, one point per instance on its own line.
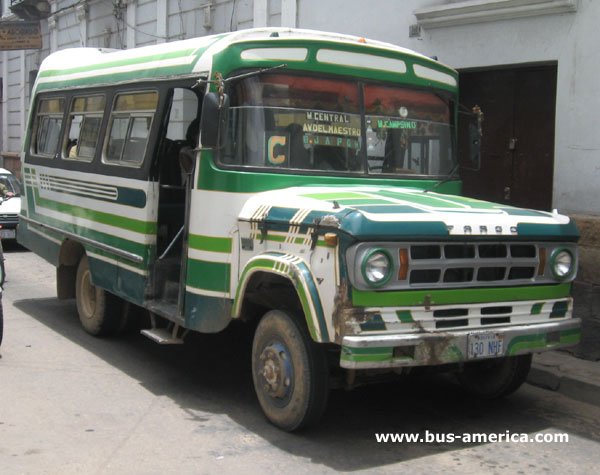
[562, 263]
[377, 267]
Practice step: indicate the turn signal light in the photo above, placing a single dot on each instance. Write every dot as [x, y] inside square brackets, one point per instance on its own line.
[542, 265]
[331, 239]
[403, 270]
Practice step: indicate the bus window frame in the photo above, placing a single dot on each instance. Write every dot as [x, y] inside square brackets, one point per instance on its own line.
[67, 127]
[148, 168]
[112, 114]
[36, 124]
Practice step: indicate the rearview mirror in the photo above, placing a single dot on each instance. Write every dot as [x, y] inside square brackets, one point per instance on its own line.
[469, 138]
[215, 108]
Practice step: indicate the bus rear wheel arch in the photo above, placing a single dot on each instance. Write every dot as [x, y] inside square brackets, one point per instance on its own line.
[290, 371]
[100, 312]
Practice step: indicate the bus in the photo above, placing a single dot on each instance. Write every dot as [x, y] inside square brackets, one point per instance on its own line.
[302, 181]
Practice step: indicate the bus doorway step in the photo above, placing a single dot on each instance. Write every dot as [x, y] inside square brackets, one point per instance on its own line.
[163, 336]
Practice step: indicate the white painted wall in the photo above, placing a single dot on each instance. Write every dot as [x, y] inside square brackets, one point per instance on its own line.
[572, 40]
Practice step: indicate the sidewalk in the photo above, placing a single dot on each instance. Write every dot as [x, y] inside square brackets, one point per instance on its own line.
[575, 378]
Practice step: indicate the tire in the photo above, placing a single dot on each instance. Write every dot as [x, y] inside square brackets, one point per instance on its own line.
[100, 312]
[290, 372]
[495, 378]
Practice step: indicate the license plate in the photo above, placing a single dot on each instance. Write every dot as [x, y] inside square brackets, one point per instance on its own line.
[7, 233]
[485, 345]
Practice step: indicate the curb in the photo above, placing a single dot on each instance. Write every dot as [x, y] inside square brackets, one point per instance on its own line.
[567, 375]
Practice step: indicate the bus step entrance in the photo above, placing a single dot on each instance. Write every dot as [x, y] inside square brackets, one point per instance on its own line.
[162, 336]
[172, 334]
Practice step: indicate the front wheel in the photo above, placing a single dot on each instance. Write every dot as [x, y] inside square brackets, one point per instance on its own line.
[495, 378]
[290, 372]
[100, 312]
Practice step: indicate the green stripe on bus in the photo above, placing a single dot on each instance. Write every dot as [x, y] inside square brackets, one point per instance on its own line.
[112, 77]
[135, 225]
[539, 341]
[368, 354]
[212, 178]
[536, 308]
[139, 249]
[206, 275]
[405, 316]
[403, 298]
[210, 243]
[337, 196]
[299, 240]
[99, 67]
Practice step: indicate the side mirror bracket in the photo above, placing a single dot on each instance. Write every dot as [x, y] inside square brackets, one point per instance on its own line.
[213, 121]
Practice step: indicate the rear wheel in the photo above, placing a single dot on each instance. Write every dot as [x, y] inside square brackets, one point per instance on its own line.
[290, 372]
[495, 378]
[100, 312]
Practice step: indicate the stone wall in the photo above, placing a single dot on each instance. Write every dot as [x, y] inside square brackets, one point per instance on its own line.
[586, 289]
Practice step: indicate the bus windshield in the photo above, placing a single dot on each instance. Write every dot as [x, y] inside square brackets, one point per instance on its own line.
[281, 122]
[11, 183]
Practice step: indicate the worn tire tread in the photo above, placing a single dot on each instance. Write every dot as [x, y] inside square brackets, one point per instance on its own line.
[485, 385]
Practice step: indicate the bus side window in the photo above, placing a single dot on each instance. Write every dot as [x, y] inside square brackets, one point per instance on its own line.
[48, 124]
[129, 128]
[84, 128]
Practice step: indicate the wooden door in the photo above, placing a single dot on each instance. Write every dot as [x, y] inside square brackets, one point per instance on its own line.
[518, 134]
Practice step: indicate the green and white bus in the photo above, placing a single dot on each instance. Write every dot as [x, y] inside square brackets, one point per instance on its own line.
[300, 180]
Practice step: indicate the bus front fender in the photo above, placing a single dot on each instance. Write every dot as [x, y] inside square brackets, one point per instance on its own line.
[297, 272]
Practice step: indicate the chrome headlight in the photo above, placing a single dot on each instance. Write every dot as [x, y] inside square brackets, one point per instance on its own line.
[562, 263]
[377, 267]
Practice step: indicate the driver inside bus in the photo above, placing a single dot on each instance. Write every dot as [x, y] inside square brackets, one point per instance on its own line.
[5, 191]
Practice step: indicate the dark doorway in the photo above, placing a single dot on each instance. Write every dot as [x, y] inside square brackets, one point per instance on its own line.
[518, 134]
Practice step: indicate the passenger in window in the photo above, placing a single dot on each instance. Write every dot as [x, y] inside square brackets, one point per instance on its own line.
[72, 148]
[5, 192]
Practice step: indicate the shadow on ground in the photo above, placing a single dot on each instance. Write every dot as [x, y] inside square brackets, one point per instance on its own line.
[211, 374]
[13, 246]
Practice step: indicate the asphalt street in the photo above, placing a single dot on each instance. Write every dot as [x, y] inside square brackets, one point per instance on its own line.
[74, 404]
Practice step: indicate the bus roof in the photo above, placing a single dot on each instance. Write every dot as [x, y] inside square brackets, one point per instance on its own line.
[80, 67]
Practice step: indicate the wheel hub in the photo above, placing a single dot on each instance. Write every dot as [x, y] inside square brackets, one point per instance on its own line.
[276, 370]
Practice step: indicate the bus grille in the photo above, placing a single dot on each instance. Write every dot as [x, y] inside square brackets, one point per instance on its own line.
[9, 218]
[473, 264]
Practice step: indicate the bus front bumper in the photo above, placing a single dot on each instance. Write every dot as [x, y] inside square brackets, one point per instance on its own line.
[436, 348]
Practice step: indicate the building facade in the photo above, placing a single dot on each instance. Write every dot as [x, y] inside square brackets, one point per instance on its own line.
[532, 65]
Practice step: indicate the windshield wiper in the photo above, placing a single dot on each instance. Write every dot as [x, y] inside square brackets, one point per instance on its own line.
[257, 72]
[220, 81]
[451, 175]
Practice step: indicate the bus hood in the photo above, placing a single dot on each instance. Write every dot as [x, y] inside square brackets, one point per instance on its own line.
[10, 206]
[392, 213]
